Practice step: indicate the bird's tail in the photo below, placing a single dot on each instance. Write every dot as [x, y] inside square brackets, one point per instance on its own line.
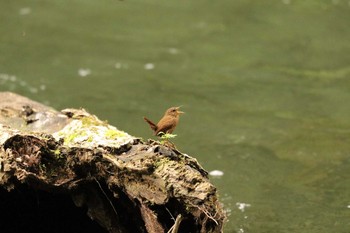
[153, 126]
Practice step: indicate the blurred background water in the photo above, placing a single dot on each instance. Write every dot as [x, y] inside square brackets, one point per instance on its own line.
[265, 86]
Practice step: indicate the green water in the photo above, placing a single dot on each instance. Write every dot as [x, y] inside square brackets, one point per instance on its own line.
[264, 84]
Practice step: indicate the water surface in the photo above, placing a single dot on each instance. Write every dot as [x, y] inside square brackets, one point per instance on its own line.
[264, 84]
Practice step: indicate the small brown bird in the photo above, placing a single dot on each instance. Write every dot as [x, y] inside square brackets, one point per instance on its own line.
[168, 123]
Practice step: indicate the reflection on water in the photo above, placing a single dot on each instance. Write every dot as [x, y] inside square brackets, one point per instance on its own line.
[12, 83]
[84, 72]
[264, 84]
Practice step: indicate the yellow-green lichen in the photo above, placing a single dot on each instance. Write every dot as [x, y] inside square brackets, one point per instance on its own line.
[57, 152]
[161, 162]
[112, 134]
[91, 120]
[71, 137]
[90, 132]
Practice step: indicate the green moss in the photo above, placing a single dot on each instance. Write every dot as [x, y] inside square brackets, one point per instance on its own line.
[161, 162]
[90, 139]
[112, 134]
[70, 138]
[167, 136]
[89, 131]
[57, 152]
[92, 121]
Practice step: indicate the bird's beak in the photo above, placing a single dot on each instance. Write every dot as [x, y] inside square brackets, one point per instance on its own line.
[179, 112]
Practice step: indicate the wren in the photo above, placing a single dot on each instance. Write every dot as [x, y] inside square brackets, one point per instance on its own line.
[168, 122]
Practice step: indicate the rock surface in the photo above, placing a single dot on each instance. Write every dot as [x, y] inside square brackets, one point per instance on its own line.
[125, 184]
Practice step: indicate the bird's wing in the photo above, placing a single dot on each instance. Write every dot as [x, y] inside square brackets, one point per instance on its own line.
[166, 125]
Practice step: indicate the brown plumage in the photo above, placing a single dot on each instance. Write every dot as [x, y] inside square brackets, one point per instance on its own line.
[168, 122]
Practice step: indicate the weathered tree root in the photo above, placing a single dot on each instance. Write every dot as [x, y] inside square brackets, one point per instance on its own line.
[126, 185]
